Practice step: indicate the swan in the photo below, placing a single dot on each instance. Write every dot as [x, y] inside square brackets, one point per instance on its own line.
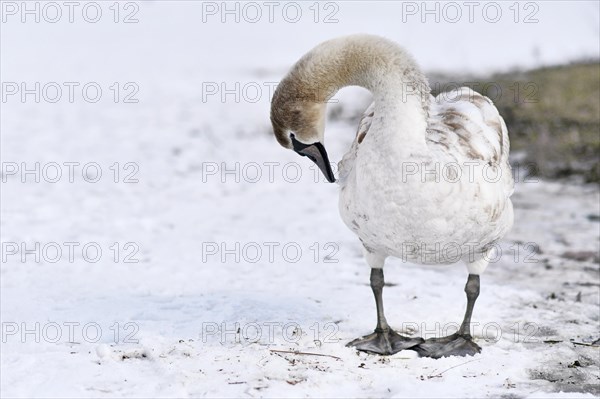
[426, 179]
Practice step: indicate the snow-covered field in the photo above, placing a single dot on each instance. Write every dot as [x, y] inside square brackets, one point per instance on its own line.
[203, 256]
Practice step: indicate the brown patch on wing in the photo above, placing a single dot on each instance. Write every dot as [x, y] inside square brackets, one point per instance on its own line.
[457, 122]
[361, 136]
[480, 101]
[365, 124]
[453, 113]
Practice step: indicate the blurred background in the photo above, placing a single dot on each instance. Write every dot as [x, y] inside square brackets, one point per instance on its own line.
[140, 131]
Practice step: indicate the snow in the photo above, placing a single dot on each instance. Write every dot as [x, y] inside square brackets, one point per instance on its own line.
[157, 315]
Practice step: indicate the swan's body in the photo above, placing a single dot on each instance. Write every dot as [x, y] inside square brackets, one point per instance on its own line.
[426, 180]
[440, 204]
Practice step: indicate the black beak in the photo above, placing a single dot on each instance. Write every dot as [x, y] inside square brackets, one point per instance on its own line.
[316, 152]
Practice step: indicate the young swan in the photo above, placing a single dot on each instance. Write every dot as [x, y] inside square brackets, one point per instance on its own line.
[413, 216]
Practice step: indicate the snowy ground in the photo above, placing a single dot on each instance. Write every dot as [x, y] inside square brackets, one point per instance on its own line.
[214, 272]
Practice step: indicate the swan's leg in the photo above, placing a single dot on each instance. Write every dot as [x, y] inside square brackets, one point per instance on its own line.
[384, 341]
[472, 291]
[461, 343]
[377, 283]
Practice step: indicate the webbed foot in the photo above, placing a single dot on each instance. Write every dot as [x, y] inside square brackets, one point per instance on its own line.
[385, 342]
[452, 345]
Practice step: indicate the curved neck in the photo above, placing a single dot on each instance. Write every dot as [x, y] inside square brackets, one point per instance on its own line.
[400, 90]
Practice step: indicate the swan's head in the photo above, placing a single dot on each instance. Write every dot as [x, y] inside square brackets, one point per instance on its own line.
[299, 124]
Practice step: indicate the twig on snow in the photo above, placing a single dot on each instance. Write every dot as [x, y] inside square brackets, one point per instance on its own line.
[440, 374]
[305, 353]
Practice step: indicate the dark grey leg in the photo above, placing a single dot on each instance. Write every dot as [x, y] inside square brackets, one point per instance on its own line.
[460, 343]
[384, 341]
[472, 291]
[377, 283]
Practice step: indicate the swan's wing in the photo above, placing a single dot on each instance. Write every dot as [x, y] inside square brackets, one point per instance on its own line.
[347, 162]
[467, 127]
[469, 124]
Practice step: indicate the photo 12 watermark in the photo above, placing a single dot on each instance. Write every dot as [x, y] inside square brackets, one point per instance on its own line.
[269, 252]
[491, 331]
[69, 92]
[70, 12]
[253, 12]
[53, 332]
[526, 12]
[452, 252]
[69, 172]
[268, 332]
[69, 251]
